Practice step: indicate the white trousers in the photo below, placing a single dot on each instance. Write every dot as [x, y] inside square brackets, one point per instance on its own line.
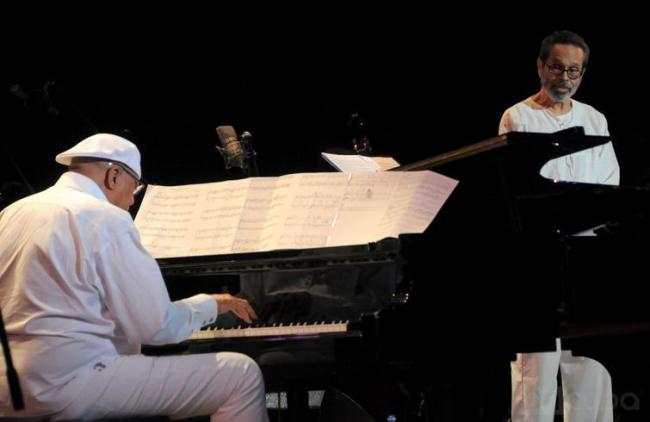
[586, 388]
[227, 386]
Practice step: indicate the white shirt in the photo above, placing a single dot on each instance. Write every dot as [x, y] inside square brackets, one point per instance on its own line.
[594, 165]
[77, 288]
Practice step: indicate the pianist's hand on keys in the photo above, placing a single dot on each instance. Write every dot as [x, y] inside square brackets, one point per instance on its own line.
[238, 306]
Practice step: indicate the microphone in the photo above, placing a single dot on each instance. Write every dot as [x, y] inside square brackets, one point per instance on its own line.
[232, 150]
[359, 130]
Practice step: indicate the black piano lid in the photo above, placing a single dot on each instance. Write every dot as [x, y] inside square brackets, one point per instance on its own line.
[534, 148]
[500, 177]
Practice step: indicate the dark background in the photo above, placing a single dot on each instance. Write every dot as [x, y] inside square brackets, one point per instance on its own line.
[425, 83]
[426, 80]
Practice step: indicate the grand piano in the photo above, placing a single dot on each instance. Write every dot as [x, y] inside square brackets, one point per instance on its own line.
[498, 272]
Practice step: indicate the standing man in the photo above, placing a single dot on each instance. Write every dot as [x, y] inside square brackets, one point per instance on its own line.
[561, 65]
[80, 294]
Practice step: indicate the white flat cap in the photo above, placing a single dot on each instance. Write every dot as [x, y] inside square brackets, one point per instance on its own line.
[105, 146]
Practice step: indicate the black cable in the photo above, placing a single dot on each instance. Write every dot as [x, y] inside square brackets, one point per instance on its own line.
[12, 375]
[17, 167]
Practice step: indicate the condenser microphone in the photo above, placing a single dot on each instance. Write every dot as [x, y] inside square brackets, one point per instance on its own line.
[232, 151]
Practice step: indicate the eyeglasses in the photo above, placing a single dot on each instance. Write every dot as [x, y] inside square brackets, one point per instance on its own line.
[572, 72]
[140, 183]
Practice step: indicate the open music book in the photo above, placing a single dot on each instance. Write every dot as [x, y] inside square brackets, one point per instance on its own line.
[297, 211]
[359, 163]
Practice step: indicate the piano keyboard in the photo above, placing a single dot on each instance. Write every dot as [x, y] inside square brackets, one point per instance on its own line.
[296, 329]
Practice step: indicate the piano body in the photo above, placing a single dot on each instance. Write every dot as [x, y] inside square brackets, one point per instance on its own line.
[309, 293]
[310, 334]
[498, 272]
[517, 235]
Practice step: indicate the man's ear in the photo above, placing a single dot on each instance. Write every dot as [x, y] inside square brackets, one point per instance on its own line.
[540, 67]
[110, 178]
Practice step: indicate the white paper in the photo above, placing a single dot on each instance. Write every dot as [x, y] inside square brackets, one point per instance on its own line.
[386, 163]
[359, 163]
[297, 211]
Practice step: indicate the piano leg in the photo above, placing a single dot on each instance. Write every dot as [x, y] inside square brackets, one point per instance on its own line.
[297, 402]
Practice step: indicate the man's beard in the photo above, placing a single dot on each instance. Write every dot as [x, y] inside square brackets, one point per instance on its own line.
[550, 89]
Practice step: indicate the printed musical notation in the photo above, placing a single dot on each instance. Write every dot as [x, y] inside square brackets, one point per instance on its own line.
[307, 210]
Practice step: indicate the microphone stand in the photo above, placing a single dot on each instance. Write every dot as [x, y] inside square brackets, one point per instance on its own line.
[250, 154]
[16, 167]
[12, 375]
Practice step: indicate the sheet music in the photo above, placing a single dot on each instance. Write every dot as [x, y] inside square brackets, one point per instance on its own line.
[359, 163]
[386, 163]
[297, 211]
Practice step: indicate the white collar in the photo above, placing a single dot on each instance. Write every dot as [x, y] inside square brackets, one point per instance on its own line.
[79, 182]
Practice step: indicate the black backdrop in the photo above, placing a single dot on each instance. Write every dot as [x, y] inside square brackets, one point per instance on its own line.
[425, 82]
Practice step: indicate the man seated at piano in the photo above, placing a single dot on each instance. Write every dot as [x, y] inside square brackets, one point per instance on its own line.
[561, 65]
[80, 294]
